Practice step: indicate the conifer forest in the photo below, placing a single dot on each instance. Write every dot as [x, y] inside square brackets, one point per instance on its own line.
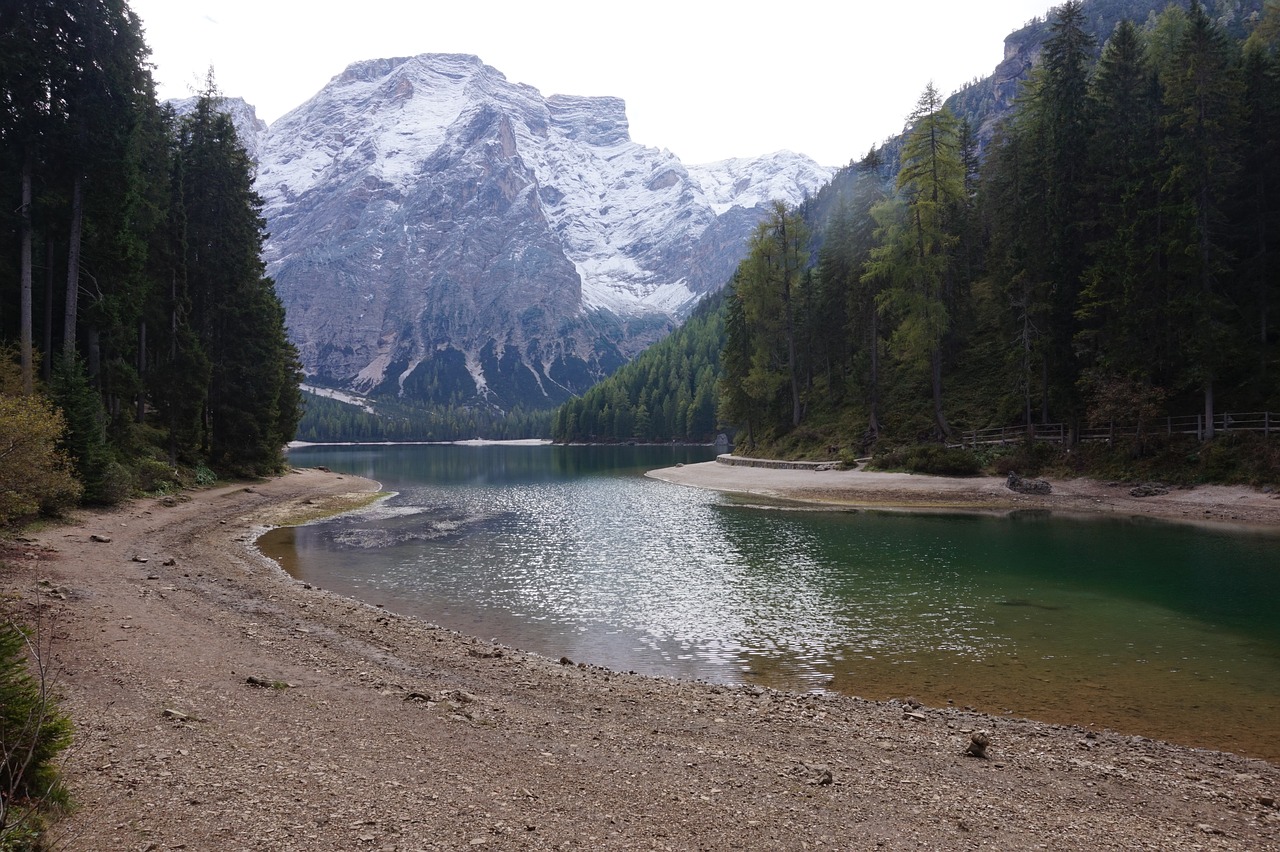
[146, 346]
[1105, 253]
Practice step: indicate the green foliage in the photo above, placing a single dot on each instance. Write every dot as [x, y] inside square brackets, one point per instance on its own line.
[33, 731]
[252, 403]
[1028, 458]
[1111, 262]
[86, 438]
[164, 334]
[152, 476]
[771, 290]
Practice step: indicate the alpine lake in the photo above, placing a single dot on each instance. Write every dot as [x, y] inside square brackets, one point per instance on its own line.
[1147, 628]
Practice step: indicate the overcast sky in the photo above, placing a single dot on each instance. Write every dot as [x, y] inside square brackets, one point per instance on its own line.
[706, 79]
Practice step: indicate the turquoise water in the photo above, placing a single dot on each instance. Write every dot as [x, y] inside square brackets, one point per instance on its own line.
[1144, 627]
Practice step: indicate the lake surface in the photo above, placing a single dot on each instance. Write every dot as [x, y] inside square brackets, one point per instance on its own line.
[1143, 627]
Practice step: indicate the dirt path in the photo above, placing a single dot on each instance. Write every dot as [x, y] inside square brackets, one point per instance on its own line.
[378, 732]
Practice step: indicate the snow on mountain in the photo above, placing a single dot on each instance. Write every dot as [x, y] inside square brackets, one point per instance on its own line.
[748, 183]
[440, 232]
[251, 129]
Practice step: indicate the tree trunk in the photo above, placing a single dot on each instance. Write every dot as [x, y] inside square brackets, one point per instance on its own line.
[939, 419]
[795, 379]
[141, 413]
[1026, 372]
[791, 341]
[1044, 383]
[873, 420]
[46, 365]
[28, 369]
[73, 269]
[1208, 409]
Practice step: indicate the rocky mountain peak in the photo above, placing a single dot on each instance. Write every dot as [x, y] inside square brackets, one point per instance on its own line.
[441, 233]
[599, 121]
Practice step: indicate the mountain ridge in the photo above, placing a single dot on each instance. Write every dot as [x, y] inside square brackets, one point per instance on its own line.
[442, 234]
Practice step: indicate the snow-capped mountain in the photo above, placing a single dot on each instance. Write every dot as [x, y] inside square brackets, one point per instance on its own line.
[439, 232]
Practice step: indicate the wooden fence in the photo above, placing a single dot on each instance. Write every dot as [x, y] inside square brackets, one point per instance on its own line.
[1266, 422]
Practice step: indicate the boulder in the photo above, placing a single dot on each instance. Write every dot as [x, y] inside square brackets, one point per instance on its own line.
[1025, 485]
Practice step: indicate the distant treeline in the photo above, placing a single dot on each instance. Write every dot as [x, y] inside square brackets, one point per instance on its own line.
[327, 420]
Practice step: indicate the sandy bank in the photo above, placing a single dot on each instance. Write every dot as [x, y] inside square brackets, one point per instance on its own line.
[1238, 505]
[374, 731]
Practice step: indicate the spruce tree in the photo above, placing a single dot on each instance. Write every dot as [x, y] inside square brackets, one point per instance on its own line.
[1201, 151]
[252, 405]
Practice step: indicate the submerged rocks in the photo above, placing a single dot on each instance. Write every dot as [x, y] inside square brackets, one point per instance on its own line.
[1025, 485]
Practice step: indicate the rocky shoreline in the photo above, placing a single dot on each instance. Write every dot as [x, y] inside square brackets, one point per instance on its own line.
[220, 704]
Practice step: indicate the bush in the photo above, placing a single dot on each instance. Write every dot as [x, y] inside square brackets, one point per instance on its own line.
[35, 475]
[933, 459]
[33, 731]
[155, 477]
[1028, 458]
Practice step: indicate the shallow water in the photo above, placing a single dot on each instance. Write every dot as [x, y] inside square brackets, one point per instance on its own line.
[1143, 627]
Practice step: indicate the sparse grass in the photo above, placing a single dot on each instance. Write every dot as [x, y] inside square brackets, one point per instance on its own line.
[316, 508]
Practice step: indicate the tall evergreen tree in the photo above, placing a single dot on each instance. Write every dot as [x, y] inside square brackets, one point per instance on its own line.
[917, 233]
[1125, 328]
[1065, 110]
[1256, 209]
[1201, 150]
[252, 406]
[769, 287]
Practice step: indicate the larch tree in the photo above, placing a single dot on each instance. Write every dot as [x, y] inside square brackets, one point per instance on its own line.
[917, 230]
[769, 285]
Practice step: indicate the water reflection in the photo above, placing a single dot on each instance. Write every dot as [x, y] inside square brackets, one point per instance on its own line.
[1161, 630]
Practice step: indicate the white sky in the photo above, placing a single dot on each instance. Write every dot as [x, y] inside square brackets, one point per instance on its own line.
[707, 79]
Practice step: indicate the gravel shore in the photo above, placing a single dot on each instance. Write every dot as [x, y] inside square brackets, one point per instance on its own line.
[221, 705]
[853, 489]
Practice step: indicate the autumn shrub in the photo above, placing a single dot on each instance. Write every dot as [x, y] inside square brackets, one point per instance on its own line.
[35, 474]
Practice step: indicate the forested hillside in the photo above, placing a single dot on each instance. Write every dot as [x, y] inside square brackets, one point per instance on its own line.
[133, 296]
[667, 394]
[1109, 258]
